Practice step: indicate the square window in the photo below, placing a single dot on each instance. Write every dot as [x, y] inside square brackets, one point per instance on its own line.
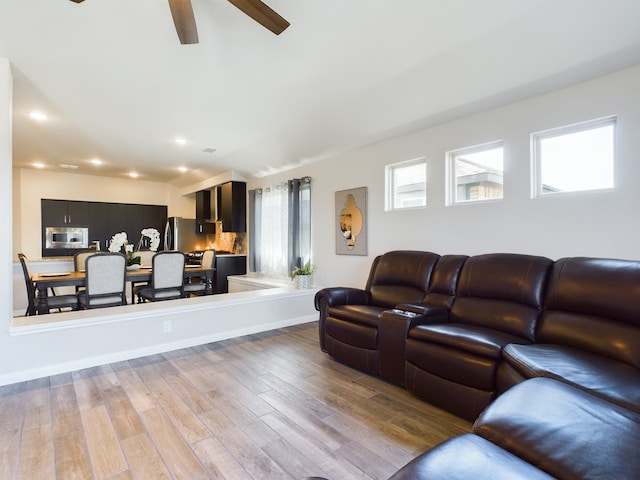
[475, 174]
[406, 185]
[574, 158]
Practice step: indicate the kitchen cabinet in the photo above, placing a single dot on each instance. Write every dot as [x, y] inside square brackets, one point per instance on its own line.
[228, 265]
[104, 219]
[139, 217]
[204, 213]
[64, 213]
[232, 206]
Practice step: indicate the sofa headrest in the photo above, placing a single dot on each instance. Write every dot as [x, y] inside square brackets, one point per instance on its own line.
[601, 287]
[404, 268]
[505, 276]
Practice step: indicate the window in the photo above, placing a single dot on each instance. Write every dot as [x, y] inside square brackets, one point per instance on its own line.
[574, 158]
[475, 173]
[406, 184]
[280, 227]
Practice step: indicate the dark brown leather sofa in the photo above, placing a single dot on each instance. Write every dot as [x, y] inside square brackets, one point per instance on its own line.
[499, 321]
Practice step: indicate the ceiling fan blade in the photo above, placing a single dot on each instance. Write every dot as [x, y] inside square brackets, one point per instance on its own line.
[262, 14]
[184, 20]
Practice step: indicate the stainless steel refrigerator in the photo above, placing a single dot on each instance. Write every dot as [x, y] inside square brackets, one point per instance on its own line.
[180, 234]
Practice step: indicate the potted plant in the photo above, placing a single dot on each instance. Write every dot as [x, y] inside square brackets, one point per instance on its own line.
[302, 275]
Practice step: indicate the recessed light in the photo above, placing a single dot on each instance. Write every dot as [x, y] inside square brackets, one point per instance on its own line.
[183, 169]
[180, 141]
[133, 174]
[37, 116]
[38, 164]
[96, 161]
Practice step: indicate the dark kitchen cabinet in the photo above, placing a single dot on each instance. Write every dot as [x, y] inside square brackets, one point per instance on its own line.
[228, 265]
[64, 213]
[105, 220]
[232, 206]
[204, 217]
[140, 217]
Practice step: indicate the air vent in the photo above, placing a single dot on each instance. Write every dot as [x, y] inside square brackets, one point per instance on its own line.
[209, 150]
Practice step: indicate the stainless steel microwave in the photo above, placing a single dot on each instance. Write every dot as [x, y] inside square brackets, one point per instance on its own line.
[66, 237]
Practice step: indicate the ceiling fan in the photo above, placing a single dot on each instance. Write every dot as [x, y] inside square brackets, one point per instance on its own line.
[185, 22]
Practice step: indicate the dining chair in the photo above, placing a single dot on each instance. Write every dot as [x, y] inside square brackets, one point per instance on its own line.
[55, 302]
[198, 286]
[167, 278]
[80, 257]
[146, 257]
[105, 281]
[146, 260]
[78, 263]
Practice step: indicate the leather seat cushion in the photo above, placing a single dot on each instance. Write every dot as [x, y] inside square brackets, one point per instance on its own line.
[467, 457]
[459, 366]
[351, 333]
[364, 314]
[473, 339]
[612, 380]
[564, 431]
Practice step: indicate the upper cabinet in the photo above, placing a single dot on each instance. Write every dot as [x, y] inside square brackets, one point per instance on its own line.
[232, 206]
[64, 213]
[103, 221]
[204, 217]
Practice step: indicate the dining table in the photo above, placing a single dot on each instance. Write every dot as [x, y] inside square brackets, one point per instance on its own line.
[44, 281]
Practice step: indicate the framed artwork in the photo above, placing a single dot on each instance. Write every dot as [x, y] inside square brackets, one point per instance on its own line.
[351, 221]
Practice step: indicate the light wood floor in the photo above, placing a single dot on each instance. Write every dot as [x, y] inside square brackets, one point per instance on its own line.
[261, 407]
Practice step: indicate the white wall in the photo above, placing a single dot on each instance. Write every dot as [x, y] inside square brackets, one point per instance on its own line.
[31, 186]
[602, 224]
[596, 224]
[6, 271]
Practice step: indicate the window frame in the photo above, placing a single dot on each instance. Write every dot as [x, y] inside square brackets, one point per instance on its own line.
[390, 186]
[536, 161]
[451, 189]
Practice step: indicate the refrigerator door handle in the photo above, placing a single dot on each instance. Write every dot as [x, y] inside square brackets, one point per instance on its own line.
[167, 236]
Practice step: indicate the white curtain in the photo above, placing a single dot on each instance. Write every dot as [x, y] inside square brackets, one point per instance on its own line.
[280, 227]
[274, 221]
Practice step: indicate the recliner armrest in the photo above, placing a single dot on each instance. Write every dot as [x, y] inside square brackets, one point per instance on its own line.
[335, 296]
[428, 313]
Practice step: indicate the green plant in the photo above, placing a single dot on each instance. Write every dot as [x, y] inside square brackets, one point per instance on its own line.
[307, 269]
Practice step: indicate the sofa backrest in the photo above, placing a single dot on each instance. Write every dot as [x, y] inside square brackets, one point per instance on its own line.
[594, 304]
[444, 281]
[401, 276]
[502, 291]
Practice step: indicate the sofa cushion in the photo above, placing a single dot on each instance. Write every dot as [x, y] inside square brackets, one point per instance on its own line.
[368, 315]
[502, 291]
[592, 304]
[564, 431]
[468, 457]
[353, 333]
[470, 338]
[444, 281]
[400, 277]
[606, 378]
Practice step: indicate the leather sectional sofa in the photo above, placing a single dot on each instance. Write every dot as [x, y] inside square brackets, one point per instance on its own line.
[540, 353]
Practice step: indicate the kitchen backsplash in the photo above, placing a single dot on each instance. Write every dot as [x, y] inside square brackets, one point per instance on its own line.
[228, 241]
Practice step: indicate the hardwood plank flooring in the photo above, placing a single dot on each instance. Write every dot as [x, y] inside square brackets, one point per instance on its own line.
[260, 407]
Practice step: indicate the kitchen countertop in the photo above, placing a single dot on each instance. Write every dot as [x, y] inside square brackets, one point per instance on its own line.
[70, 259]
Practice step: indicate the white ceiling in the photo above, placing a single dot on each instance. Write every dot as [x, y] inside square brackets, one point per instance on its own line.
[117, 85]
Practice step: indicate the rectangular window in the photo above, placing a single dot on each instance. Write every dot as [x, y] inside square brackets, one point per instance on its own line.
[406, 184]
[574, 158]
[475, 174]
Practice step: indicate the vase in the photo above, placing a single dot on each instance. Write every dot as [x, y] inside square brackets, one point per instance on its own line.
[302, 281]
[133, 267]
